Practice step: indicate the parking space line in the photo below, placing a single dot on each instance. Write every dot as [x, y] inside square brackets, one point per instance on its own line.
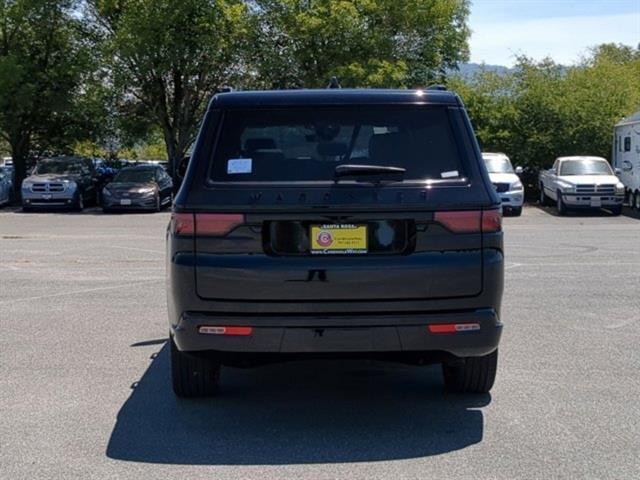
[136, 249]
[575, 264]
[76, 292]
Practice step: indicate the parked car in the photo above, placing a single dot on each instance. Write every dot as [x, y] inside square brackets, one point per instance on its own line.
[626, 157]
[144, 187]
[581, 182]
[335, 223]
[9, 172]
[105, 173]
[68, 182]
[505, 181]
[5, 187]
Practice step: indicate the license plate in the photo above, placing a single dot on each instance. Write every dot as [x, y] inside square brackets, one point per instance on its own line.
[338, 239]
[596, 202]
[125, 202]
[46, 197]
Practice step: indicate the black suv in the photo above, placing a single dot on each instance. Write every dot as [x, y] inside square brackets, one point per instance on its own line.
[352, 223]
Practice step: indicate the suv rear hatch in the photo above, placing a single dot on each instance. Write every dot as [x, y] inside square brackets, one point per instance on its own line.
[358, 203]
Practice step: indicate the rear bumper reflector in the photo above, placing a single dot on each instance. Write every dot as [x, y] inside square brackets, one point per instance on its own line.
[453, 327]
[217, 330]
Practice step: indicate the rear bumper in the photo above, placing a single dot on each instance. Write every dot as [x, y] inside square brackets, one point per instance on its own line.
[403, 333]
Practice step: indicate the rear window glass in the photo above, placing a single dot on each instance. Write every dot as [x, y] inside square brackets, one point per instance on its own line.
[307, 144]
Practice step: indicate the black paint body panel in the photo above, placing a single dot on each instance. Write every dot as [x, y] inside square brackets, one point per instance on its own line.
[376, 302]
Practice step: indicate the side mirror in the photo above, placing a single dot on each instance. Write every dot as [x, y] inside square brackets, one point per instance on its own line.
[519, 170]
[181, 168]
[617, 171]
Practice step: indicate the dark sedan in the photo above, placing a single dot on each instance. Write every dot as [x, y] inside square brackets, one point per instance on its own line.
[144, 187]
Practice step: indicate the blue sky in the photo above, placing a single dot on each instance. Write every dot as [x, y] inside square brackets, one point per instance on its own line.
[560, 29]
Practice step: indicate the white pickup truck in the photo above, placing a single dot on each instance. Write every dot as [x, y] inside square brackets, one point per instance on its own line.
[581, 182]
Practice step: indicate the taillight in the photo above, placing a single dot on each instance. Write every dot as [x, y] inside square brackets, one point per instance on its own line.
[460, 222]
[182, 224]
[470, 221]
[217, 224]
[205, 224]
[491, 220]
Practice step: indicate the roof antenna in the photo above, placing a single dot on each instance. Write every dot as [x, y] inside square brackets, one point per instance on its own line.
[334, 83]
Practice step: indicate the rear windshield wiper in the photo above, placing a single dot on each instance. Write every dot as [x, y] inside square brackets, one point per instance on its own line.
[363, 170]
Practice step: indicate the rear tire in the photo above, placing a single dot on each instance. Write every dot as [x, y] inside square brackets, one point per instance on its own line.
[192, 376]
[636, 201]
[473, 375]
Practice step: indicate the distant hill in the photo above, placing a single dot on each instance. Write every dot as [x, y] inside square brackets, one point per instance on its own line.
[468, 70]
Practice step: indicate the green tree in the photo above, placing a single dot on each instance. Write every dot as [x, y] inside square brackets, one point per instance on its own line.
[489, 99]
[44, 59]
[541, 110]
[168, 56]
[365, 43]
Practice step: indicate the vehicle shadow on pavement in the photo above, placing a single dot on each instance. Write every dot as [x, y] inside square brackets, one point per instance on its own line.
[297, 413]
[578, 213]
[628, 212]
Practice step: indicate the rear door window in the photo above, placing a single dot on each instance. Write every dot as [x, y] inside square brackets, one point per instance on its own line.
[306, 145]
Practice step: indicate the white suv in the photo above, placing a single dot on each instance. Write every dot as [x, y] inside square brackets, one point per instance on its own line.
[505, 181]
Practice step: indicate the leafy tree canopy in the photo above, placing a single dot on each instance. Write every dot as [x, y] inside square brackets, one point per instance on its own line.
[45, 67]
[168, 57]
[365, 43]
[541, 110]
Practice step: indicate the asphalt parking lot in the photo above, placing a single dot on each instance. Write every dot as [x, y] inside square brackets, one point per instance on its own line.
[84, 387]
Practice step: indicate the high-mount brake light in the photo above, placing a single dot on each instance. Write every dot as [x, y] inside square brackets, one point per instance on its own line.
[470, 221]
[217, 224]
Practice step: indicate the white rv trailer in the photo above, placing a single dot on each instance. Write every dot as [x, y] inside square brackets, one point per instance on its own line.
[626, 156]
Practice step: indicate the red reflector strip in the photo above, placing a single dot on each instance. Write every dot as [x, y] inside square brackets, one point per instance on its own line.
[182, 224]
[454, 327]
[217, 224]
[217, 330]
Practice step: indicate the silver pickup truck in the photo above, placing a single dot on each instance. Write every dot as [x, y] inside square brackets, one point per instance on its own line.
[581, 182]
